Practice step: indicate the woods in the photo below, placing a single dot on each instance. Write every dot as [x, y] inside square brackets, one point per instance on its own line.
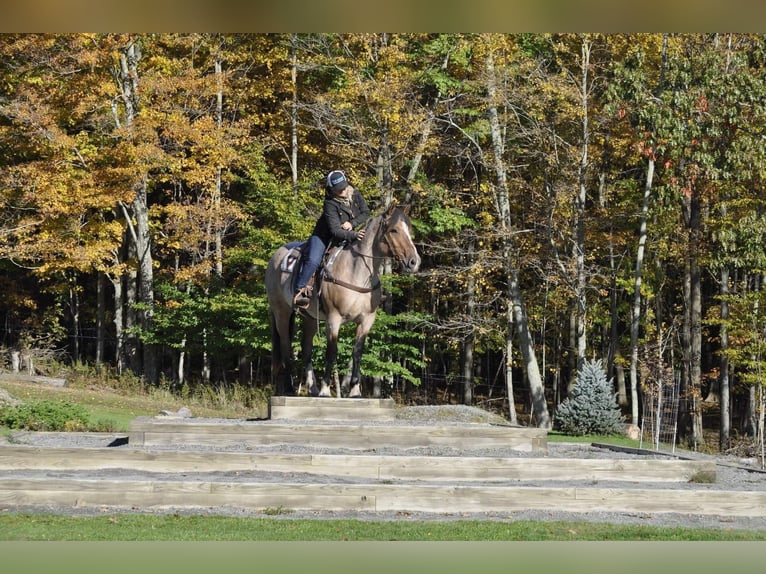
[575, 197]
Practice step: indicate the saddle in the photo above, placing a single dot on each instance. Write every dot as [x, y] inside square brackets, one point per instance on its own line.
[292, 261]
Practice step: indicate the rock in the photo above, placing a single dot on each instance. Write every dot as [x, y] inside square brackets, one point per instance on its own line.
[182, 413]
[6, 400]
[633, 431]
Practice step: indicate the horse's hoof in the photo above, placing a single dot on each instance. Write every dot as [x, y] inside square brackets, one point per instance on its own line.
[355, 392]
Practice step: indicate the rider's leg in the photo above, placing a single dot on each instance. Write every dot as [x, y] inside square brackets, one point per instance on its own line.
[312, 258]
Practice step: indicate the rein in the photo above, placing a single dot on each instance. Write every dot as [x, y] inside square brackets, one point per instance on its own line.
[357, 288]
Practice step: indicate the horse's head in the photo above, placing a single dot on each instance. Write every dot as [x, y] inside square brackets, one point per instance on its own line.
[396, 239]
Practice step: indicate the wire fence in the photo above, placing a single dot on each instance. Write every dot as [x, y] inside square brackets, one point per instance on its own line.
[659, 426]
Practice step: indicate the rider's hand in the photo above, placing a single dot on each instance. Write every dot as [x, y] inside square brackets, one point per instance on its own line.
[346, 226]
[360, 234]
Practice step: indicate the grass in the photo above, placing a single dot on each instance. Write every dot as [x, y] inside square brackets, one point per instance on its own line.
[173, 527]
[119, 407]
[556, 436]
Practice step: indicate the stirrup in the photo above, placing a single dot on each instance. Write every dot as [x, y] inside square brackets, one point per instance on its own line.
[302, 298]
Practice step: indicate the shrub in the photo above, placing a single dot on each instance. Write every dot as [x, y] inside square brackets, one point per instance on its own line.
[592, 407]
[45, 415]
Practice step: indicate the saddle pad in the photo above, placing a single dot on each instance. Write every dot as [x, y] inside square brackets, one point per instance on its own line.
[291, 259]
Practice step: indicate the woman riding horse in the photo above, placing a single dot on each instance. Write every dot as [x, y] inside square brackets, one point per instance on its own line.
[350, 293]
[344, 209]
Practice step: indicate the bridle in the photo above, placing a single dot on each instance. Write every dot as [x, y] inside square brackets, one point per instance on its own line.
[384, 230]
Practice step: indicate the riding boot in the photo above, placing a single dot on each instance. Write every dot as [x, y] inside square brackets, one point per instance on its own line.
[303, 297]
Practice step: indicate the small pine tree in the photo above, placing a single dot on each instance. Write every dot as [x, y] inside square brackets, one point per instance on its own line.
[592, 407]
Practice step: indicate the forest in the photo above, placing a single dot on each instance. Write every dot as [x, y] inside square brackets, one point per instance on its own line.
[574, 197]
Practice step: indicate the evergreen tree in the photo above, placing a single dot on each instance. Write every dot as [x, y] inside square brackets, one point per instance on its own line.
[592, 407]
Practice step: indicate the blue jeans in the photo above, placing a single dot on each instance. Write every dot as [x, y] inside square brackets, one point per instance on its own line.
[312, 258]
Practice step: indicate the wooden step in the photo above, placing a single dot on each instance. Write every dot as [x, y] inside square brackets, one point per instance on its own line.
[168, 431]
[328, 408]
[430, 468]
[199, 494]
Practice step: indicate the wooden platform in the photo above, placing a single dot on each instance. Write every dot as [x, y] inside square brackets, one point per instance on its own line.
[325, 408]
[378, 467]
[362, 436]
[371, 497]
[172, 462]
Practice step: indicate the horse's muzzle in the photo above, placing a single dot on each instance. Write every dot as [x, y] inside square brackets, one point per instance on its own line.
[412, 264]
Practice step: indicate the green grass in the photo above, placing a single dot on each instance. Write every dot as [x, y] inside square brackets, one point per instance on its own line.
[119, 407]
[171, 527]
[556, 436]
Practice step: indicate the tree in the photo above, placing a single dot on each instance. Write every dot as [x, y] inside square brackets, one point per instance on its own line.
[592, 406]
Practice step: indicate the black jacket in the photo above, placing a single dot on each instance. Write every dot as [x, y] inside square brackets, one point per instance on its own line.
[335, 214]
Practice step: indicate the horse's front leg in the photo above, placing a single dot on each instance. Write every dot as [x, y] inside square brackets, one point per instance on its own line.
[331, 358]
[362, 329]
[307, 351]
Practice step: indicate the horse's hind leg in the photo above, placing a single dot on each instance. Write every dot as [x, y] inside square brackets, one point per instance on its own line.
[281, 354]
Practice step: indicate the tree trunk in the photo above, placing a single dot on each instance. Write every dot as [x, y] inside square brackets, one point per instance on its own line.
[132, 344]
[580, 197]
[294, 110]
[513, 417]
[118, 321]
[635, 319]
[74, 306]
[723, 377]
[526, 343]
[100, 318]
[137, 217]
[145, 277]
[692, 213]
[469, 341]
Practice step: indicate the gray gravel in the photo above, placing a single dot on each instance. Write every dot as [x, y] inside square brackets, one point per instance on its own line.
[733, 474]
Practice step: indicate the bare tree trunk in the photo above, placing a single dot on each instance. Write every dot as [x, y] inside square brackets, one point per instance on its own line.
[725, 404]
[537, 391]
[513, 417]
[218, 227]
[469, 341]
[74, 305]
[118, 322]
[635, 319]
[132, 344]
[692, 213]
[100, 318]
[138, 216]
[580, 197]
[294, 110]
[145, 276]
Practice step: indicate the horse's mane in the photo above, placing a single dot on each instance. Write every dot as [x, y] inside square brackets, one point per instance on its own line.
[378, 217]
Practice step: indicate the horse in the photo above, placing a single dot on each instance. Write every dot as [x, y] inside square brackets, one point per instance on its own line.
[347, 290]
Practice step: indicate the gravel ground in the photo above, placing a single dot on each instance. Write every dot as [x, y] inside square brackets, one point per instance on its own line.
[733, 474]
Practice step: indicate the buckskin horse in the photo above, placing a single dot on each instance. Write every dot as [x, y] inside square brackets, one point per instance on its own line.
[347, 290]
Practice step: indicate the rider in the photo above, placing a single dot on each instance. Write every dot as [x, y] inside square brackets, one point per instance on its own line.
[344, 209]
